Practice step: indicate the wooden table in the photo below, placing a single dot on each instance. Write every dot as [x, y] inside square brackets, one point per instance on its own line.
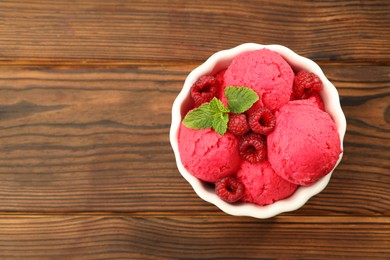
[86, 167]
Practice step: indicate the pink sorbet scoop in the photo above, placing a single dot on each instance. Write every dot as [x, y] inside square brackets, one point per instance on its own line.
[264, 71]
[262, 185]
[305, 144]
[208, 155]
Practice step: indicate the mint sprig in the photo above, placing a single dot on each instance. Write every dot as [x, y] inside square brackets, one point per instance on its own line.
[199, 118]
[215, 115]
[217, 107]
[220, 122]
[240, 99]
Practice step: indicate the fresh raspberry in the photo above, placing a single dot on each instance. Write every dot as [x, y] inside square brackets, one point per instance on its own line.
[238, 124]
[306, 81]
[204, 89]
[252, 147]
[229, 189]
[262, 121]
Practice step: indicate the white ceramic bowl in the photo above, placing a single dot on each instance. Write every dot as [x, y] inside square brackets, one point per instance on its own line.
[219, 61]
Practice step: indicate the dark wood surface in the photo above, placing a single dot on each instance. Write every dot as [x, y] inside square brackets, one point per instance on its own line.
[86, 168]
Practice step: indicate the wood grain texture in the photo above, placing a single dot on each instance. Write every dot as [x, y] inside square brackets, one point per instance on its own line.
[150, 31]
[187, 237]
[86, 168]
[96, 139]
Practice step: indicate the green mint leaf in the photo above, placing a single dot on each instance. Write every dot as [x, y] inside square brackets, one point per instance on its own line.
[220, 122]
[216, 106]
[199, 118]
[210, 115]
[240, 99]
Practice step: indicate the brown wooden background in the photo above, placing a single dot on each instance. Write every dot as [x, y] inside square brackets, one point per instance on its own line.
[86, 168]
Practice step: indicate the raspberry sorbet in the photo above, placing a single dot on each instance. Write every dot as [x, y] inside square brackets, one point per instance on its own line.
[208, 155]
[257, 130]
[264, 71]
[304, 145]
[262, 185]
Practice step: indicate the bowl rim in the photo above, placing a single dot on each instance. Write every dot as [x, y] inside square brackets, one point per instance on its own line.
[302, 194]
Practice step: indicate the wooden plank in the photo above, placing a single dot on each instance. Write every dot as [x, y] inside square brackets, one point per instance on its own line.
[146, 31]
[95, 139]
[189, 237]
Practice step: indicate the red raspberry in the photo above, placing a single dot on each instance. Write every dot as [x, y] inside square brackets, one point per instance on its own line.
[252, 147]
[262, 121]
[229, 189]
[204, 89]
[306, 81]
[238, 124]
